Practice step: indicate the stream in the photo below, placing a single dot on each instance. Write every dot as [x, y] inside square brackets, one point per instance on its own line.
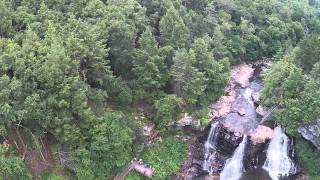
[241, 143]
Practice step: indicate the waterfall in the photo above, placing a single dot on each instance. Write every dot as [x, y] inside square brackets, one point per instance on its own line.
[210, 149]
[234, 167]
[278, 163]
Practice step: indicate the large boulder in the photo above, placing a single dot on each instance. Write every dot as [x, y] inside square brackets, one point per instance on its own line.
[311, 133]
[262, 111]
[185, 121]
[261, 134]
[222, 107]
[241, 74]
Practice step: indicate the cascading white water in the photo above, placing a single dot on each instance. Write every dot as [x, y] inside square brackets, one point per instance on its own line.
[234, 166]
[247, 94]
[278, 162]
[210, 149]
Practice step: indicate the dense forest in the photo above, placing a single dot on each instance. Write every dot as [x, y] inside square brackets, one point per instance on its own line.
[86, 75]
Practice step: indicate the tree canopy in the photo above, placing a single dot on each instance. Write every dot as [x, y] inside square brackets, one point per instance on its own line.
[81, 72]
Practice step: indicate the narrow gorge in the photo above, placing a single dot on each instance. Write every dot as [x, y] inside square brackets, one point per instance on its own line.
[241, 142]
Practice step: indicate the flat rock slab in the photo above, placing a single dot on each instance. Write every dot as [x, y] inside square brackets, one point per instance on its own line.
[222, 107]
[239, 124]
[241, 74]
[243, 117]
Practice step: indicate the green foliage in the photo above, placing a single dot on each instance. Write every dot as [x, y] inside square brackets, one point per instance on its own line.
[47, 100]
[125, 19]
[6, 16]
[189, 83]
[173, 30]
[109, 149]
[166, 157]
[315, 73]
[119, 91]
[216, 73]
[292, 86]
[111, 141]
[197, 24]
[294, 94]
[12, 167]
[64, 63]
[308, 52]
[167, 109]
[308, 158]
[203, 116]
[134, 176]
[283, 81]
[148, 66]
[50, 176]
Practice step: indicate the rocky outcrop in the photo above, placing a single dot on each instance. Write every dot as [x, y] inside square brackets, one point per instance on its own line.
[227, 142]
[240, 76]
[185, 121]
[222, 107]
[311, 133]
[243, 116]
[261, 134]
[151, 134]
[256, 97]
[238, 112]
[262, 111]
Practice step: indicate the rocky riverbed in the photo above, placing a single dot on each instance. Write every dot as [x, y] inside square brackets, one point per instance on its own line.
[235, 114]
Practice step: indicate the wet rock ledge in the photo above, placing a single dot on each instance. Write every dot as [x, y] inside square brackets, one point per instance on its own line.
[238, 112]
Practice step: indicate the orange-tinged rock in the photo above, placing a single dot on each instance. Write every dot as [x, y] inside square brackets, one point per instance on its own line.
[242, 74]
[261, 134]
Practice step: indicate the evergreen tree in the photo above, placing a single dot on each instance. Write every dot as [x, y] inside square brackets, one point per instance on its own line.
[309, 52]
[189, 83]
[147, 63]
[82, 72]
[173, 30]
[216, 72]
[6, 18]
[126, 19]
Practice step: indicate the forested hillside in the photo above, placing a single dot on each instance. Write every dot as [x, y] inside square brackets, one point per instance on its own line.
[86, 75]
[292, 86]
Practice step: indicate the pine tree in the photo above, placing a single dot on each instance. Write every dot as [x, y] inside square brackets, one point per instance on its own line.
[309, 52]
[173, 30]
[216, 72]
[147, 64]
[188, 81]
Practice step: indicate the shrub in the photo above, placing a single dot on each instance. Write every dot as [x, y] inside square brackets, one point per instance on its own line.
[308, 158]
[166, 157]
[167, 109]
